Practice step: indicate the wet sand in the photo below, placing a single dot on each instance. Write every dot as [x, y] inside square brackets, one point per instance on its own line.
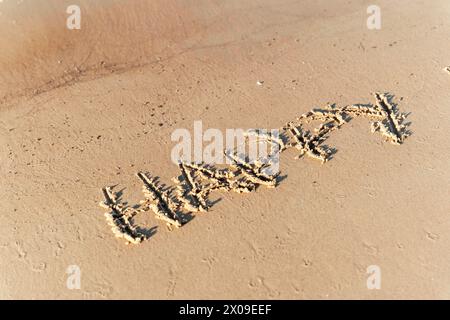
[84, 109]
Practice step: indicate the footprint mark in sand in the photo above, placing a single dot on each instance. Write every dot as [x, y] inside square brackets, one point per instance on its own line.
[22, 254]
[39, 267]
[371, 249]
[260, 284]
[210, 261]
[98, 290]
[432, 236]
[307, 263]
[20, 251]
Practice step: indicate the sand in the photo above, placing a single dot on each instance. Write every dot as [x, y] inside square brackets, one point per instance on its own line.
[81, 110]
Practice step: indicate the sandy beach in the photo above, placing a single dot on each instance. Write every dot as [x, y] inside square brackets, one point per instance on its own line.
[83, 109]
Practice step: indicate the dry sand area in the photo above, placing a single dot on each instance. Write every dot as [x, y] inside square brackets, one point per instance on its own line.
[89, 108]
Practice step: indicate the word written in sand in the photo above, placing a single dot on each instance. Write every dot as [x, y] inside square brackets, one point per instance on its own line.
[177, 205]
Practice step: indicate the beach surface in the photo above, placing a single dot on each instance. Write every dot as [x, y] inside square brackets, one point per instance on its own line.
[89, 108]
